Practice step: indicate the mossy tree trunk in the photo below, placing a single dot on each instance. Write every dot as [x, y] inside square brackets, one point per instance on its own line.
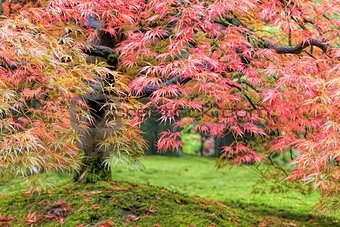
[92, 169]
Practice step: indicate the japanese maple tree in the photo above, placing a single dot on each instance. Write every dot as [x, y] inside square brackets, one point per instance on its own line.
[264, 68]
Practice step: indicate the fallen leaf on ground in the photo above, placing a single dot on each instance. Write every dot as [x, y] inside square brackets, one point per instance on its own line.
[178, 201]
[150, 210]
[31, 218]
[106, 224]
[61, 202]
[95, 206]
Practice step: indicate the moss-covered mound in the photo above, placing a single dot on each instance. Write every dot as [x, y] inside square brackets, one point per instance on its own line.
[122, 203]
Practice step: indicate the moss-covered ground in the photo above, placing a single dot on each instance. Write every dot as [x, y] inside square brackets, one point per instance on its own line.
[122, 203]
[170, 199]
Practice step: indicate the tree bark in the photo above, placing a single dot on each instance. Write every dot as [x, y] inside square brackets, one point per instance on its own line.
[92, 169]
[225, 140]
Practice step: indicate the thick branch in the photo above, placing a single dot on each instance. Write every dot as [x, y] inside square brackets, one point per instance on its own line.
[101, 51]
[297, 49]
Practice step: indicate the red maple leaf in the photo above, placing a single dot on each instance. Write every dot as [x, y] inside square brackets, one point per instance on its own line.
[31, 218]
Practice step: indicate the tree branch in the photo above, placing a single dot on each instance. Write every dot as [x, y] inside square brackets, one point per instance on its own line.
[8, 65]
[149, 89]
[297, 49]
[101, 51]
[176, 79]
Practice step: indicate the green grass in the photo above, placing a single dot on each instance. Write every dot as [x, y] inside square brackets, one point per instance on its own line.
[185, 176]
[8, 186]
[194, 175]
[122, 203]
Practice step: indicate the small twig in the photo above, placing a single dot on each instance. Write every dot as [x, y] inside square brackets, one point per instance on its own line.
[250, 85]
[307, 52]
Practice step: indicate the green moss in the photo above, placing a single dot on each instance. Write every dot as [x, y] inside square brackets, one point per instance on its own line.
[125, 203]
[94, 171]
[191, 175]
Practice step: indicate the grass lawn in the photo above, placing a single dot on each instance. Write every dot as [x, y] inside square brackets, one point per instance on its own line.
[123, 204]
[128, 201]
[195, 175]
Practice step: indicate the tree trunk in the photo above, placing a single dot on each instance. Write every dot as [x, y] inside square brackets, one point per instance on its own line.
[225, 140]
[202, 144]
[92, 169]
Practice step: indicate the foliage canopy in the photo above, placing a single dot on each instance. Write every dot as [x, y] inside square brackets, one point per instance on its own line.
[264, 68]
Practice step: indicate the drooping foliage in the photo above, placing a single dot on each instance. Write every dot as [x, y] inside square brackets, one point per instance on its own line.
[44, 75]
[261, 68]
